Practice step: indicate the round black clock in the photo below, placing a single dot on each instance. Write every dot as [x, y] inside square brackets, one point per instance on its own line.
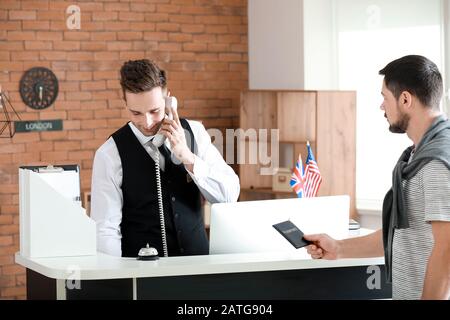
[38, 88]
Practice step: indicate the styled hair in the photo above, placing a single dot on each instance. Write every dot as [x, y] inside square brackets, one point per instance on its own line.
[417, 75]
[138, 76]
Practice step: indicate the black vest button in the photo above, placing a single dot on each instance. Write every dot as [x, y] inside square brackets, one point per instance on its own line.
[176, 215]
[181, 250]
[173, 199]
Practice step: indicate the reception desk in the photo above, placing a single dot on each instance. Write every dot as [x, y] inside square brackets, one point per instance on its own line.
[249, 276]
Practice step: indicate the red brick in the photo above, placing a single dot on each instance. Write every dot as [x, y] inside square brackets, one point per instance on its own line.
[7, 280]
[67, 145]
[77, 35]
[38, 45]
[119, 45]
[118, 25]
[182, 19]
[79, 75]
[143, 7]
[93, 46]
[72, 125]
[35, 5]
[22, 35]
[117, 6]
[159, 36]
[34, 148]
[106, 55]
[50, 35]
[53, 135]
[5, 241]
[192, 28]
[180, 37]
[9, 4]
[131, 16]
[93, 85]
[22, 15]
[91, 6]
[6, 219]
[129, 35]
[12, 45]
[170, 27]
[53, 55]
[140, 26]
[156, 17]
[26, 55]
[132, 55]
[66, 45]
[81, 155]
[53, 156]
[9, 229]
[14, 291]
[10, 25]
[81, 135]
[195, 47]
[51, 15]
[105, 16]
[36, 25]
[80, 115]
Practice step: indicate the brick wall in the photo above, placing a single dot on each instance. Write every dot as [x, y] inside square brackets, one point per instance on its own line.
[201, 43]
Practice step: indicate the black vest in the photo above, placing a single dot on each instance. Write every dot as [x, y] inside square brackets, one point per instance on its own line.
[185, 228]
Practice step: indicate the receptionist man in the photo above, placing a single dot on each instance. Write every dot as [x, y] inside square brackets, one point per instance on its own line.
[124, 194]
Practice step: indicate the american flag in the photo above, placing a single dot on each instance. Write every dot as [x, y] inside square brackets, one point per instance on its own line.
[313, 179]
[298, 178]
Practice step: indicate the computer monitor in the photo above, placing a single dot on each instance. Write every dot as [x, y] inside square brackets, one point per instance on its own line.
[247, 226]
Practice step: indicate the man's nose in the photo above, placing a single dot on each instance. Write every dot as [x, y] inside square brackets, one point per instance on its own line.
[148, 120]
[382, 106]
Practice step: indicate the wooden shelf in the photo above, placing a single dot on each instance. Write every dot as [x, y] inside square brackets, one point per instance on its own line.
[325, 118]
[250, 194]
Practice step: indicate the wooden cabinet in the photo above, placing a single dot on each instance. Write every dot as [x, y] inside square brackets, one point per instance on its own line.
[325, 118]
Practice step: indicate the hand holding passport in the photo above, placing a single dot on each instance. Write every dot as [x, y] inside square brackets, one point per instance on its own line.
[292, 233]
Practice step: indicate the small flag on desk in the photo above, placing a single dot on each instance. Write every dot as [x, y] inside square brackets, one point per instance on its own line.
[298, 176]
[313, 178]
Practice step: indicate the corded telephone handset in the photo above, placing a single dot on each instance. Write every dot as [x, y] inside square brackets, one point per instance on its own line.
[170, 104]
[151, 253]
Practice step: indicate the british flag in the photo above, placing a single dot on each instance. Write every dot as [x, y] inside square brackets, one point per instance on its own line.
[298, 178]
[313, 178]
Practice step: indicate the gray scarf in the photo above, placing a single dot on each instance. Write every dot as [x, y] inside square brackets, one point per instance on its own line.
[435, 145]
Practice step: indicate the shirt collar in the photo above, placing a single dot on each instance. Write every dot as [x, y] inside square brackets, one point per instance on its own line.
[143, 139]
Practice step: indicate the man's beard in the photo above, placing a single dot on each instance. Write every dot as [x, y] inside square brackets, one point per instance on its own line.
[401, 125]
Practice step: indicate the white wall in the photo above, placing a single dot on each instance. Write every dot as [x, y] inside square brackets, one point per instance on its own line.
[275, 37]
[291, 45]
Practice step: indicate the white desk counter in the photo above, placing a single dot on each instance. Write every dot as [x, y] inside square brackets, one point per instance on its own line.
[199, 277]
[103, 266]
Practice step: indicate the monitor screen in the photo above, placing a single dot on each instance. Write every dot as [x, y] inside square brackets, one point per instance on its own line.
[247, 226]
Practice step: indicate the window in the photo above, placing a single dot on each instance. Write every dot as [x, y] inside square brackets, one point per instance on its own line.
[369, 34]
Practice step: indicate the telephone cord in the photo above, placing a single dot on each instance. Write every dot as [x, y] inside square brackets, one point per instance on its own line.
[160, 204]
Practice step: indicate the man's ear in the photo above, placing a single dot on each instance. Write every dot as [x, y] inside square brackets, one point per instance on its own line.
[405, 99]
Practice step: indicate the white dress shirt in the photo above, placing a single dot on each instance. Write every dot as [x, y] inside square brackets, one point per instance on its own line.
[215, 179]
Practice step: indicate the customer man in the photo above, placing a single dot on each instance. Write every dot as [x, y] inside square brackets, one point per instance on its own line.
[416, 211]
[125, 201]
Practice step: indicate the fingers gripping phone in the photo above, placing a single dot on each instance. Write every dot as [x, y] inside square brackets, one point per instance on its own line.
[170, 104]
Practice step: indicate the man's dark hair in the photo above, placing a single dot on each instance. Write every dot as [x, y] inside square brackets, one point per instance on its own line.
[417, 75]
[140, 75]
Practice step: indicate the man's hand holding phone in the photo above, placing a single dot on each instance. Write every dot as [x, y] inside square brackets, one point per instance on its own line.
[171, 128]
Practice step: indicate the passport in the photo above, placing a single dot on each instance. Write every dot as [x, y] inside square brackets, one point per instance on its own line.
[292, 234]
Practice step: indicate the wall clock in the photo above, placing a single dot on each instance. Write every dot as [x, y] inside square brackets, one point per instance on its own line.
[38, 88]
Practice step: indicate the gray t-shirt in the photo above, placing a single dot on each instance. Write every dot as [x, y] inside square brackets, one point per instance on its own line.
[427, 198]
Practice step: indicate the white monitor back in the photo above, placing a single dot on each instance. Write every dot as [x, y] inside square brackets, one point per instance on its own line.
[247, 226]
